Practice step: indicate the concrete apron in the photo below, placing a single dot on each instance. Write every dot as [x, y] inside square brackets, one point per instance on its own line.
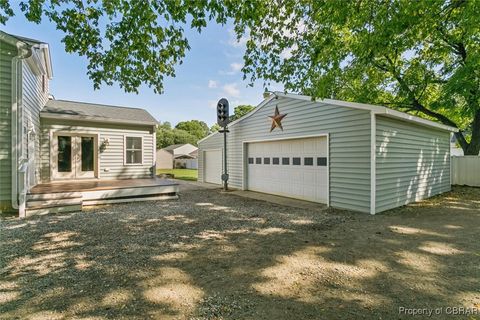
[284, 201]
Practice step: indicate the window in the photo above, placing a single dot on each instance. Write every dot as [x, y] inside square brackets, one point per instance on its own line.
[258, 160]
[266, 160]
[322, 162]
[308, 161]
[133, 150]
[276, 160]
[296, 161]
[250, 160]
[285, 161]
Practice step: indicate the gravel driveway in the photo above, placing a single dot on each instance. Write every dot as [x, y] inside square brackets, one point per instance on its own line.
[211, 255]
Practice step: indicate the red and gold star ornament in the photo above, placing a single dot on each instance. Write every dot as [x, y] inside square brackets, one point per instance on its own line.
[277, 119]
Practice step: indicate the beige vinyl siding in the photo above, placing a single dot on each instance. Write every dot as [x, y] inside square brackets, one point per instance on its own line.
[34, 99]
[349, 131]
[412, 162]
[111, 160]
[7, 52]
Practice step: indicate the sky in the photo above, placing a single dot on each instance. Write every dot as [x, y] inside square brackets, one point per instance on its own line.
[210, 71]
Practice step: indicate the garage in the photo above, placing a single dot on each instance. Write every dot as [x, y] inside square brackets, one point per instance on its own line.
[213, 166]
[344, 154]
[295, 168]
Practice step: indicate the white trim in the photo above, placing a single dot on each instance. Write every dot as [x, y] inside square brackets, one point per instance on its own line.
[373, 162]
[245, 157]
[370, 107]
[54, 175]
[125, 136]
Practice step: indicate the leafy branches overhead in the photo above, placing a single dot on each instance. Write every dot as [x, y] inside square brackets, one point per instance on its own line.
[421, 57]
[128, 42]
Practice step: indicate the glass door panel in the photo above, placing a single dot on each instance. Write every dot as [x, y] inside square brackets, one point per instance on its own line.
[86, 158]
[64, 157]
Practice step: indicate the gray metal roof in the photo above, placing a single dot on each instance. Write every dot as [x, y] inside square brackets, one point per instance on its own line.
[96, 112]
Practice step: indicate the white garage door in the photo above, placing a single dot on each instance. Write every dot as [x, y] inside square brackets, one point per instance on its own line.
[213, 166]
[294, 168]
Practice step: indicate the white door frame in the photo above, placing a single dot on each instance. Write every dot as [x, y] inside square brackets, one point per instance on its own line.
[245, 157]
[76, 173]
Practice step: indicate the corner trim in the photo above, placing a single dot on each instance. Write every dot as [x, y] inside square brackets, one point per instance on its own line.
[373, 162]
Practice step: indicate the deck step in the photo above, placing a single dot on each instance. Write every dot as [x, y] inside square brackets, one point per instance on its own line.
[35, 204]
[41, 211]
[53, 196]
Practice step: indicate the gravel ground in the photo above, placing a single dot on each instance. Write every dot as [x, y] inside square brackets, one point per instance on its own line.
[212, 255]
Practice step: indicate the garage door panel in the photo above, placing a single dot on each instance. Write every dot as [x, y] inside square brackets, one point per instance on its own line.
[305, 181]
[213, 166]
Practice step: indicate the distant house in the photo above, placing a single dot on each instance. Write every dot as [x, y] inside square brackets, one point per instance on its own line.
[182, 156]
[57, 155]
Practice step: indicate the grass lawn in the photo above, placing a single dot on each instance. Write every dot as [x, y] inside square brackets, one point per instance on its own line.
[182, 174]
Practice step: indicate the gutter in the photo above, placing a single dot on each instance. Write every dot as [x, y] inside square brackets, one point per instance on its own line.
[24, 52]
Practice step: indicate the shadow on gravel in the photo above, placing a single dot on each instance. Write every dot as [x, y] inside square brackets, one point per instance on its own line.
[214, 256]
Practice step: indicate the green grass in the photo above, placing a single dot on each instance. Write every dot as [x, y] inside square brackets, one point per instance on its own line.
[182, 174]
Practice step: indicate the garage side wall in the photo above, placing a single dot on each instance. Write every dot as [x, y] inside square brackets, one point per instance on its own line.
[349, 131]
[412, 163]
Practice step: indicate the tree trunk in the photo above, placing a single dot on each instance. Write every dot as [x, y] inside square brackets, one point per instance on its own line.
[473, 147]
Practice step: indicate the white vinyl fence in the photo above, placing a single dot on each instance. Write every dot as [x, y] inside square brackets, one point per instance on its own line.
[466, 170]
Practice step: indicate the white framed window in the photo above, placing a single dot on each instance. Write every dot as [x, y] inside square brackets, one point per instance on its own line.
[133, 150]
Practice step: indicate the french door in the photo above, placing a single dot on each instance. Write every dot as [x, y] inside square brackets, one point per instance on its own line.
[74, 156]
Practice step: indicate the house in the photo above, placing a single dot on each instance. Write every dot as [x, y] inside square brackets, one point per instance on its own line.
[59, 155]
[347, 155]
[177, 156]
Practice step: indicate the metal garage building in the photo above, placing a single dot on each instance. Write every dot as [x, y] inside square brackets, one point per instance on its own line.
[347, 155]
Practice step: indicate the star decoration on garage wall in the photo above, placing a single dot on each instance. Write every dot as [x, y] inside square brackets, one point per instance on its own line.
[277, 119]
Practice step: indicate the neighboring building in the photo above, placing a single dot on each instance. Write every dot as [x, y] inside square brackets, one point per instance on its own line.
[347, 155]
[179, 156]
[44, 141]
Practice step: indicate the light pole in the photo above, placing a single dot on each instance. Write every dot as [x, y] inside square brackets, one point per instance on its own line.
[223, 120]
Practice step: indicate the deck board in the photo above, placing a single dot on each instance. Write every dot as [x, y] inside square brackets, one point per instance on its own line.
[97, 185]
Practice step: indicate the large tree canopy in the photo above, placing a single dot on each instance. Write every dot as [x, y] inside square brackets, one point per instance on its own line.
[417, 56]
[422, 57]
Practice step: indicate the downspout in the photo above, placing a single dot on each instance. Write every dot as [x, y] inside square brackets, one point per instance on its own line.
[24, 52]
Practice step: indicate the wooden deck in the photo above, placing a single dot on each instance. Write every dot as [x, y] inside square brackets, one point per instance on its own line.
[67, 196]
[98, 185]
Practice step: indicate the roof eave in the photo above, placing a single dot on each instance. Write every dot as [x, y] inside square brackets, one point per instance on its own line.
[47, 115]
[370, 107]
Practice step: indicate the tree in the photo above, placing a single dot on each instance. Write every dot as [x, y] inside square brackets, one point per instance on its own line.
[214, 128]
[167, 136]
[240, 111]
[195, 127]
[422, 57]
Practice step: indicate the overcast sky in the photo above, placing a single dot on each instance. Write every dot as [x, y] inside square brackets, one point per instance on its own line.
[211, 70]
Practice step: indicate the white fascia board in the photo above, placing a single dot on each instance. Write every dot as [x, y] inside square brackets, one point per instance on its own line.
[370, 107]
[263, 103]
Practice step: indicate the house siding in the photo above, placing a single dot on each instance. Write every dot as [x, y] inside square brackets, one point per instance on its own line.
[34, 98]
[7, 52]
[111, 160]
[349, 145]
[412, 162]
